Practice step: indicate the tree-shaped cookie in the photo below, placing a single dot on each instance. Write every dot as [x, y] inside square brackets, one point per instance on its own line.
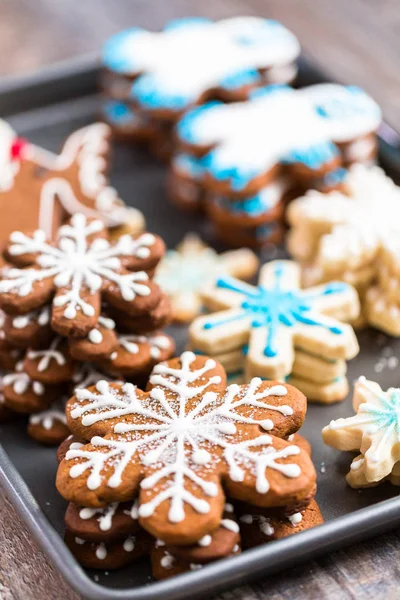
[178, 443]
[38, 189]
[275, 317]
[192, 58]
[374, 431]
[77, 270]
[244, 145]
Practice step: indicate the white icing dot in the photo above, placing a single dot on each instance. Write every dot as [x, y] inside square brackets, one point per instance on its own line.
[205, 541]
[95, 336]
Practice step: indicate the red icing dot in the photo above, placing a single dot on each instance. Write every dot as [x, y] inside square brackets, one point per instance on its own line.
[17, 148]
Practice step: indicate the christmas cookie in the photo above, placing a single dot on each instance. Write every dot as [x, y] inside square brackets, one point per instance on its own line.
[276, 330]
[59, 185]
[184, 272]
[168, 438]
[76, 271]
[49, 427]
[103, 524]
[113, 555]
[244, 146]
[258, 528]
[195, 58]
[373, 431]
[352, 236]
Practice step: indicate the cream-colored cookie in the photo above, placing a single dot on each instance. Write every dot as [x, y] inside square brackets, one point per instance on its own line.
[184, 272]
[325, 393]
[373, 431]
[276, 317]
[382, 313]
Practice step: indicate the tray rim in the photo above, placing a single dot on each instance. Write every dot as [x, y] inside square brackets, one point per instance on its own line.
[264, 560]
[77, 76]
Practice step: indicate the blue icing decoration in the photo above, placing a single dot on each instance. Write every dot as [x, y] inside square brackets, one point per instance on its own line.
[256, 205]
[239, 175]
[119, 113]
[264, 231]
[187, 124]
[118, 50]
[190, 165]
[335, 177]
[146, 91]
[386, 416]
[276, 88]
[355, 102]
[266, 32]
[187, 23]
[274, 307]
[240, 79]
[313, 157]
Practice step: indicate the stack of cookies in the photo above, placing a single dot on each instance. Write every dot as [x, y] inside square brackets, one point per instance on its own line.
[277, 331]
[352, 237]
[149, 481]
[243, 161]
[73, 300]
[150, 79]
[372, 432]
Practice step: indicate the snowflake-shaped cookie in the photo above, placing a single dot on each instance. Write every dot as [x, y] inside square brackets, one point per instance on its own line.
[277, 126]
[374, 430]
[178, 441]
[76, 271]
[184, 272]
[348, 230]
[192, 57]
[275, 317]
[73, 181]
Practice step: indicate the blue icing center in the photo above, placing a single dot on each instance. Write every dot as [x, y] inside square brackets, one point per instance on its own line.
[388, 415]
[276, 307]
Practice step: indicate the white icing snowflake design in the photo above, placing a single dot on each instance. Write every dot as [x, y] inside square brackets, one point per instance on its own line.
[180, 433]
[78, 264]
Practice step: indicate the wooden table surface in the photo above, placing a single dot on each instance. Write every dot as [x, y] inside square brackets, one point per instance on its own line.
[358, 42]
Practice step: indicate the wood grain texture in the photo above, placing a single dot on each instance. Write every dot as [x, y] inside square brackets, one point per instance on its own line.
[25, 573]
[357, 41]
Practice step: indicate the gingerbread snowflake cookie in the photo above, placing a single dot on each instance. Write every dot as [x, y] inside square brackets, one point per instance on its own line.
[373, 431]
[276, 330]
[184, 272]
[173, 444]
[76, 271]
[62, 184]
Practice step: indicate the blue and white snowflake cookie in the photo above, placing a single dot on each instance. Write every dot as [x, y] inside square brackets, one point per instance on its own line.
[276, 318]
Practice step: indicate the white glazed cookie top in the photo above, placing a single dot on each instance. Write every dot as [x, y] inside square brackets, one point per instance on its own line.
[192, 56]
[278, 124]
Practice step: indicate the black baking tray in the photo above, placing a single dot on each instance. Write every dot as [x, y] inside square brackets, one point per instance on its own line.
[46, 108]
